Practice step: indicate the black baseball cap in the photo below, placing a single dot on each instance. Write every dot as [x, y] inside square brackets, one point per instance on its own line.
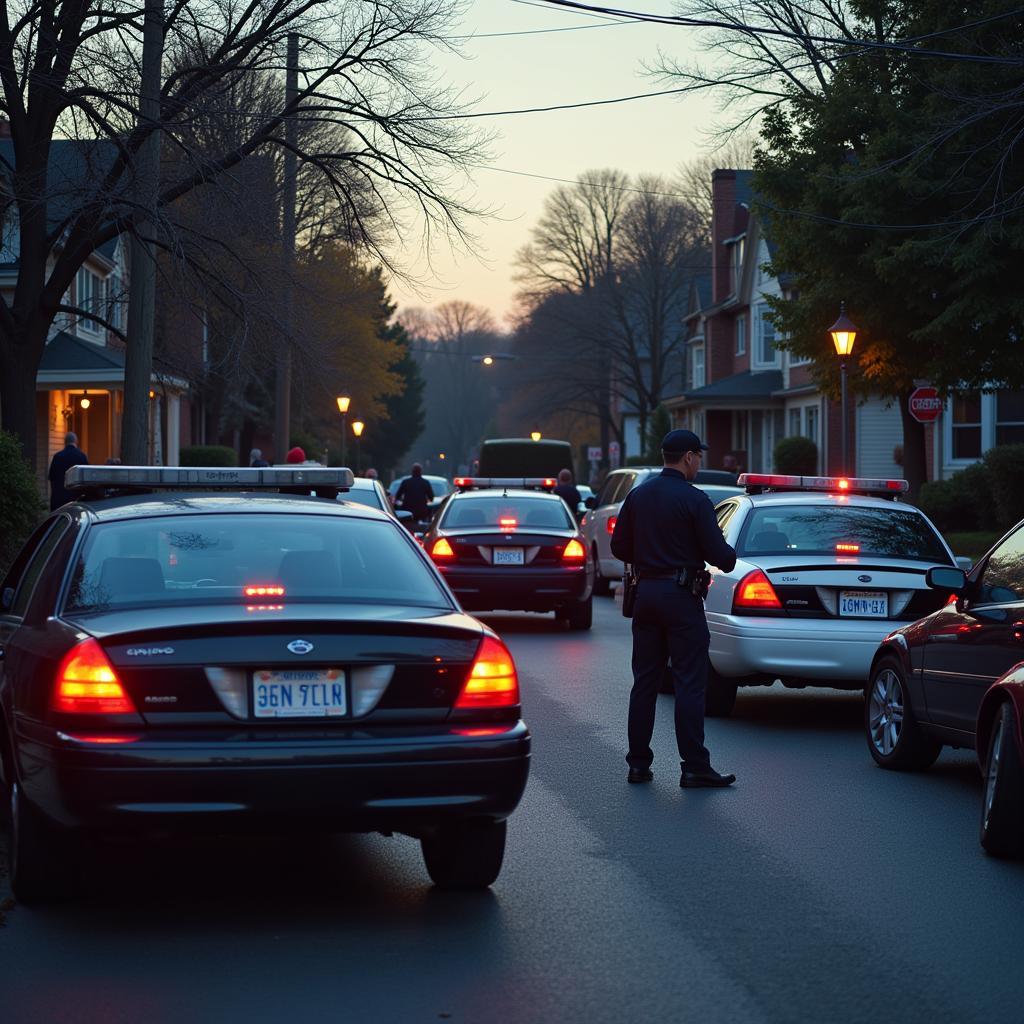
[678, 442]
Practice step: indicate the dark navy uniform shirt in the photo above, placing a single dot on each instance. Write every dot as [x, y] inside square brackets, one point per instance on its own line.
[666, 523]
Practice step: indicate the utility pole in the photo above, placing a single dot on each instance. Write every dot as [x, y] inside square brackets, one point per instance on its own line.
[138, 367]
[283, 383]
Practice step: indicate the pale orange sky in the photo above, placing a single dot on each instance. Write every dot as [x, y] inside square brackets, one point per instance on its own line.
[641, 137]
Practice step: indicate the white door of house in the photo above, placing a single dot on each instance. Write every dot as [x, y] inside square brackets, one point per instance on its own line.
[879, 433]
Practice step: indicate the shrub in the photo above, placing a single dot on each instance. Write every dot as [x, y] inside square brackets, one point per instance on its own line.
[21, 507]
[209, 455]
[796, 455]
[963, 503]
[1005, 465]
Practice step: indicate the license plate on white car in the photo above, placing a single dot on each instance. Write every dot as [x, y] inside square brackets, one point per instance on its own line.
[508, 556]
[864, 604]
[299, 693]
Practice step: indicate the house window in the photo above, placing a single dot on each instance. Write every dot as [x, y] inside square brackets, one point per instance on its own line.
[794, 422]
[795, 360]
[88, 297]
[698, 366]
[738, 250]
[966, 425]
[766, 353]
[741, 335]
[1009, 417]
[812, 423]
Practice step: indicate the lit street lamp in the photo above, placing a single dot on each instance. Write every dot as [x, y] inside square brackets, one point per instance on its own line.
[534, 435]
[844, 334]
[358, 426]
[490, 358]
[343, 401]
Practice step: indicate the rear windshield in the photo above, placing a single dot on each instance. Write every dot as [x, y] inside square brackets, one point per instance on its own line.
[837, 529]
[508, 512]
[182, 560]
[362, 496]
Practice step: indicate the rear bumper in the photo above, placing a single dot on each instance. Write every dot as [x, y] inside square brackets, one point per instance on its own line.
[828, 651]
[515, 588]
[403, 780]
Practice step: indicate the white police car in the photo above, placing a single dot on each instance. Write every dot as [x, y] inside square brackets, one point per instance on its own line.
[826, 568]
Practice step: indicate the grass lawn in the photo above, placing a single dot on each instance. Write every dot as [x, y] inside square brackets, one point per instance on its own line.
[972, 545]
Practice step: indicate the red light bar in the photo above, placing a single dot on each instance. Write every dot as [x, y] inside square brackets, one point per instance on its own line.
[466, 483]
[263, 590]
[848, 549]
[757, 482]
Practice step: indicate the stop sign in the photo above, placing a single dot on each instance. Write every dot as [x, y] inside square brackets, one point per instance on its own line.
[925, 405]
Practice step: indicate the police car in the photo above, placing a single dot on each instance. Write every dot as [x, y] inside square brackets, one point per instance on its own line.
[826, 567]
[197, 649]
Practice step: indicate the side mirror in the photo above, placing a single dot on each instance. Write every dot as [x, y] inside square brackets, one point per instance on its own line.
[965, 563]
[404, 516]
[591, 502]
[942, 577]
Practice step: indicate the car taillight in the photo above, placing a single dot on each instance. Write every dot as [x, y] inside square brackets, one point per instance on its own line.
[574, 552]
[755, 591]
[492, 681]
[86, 684]
[442, 549]
[610, 523]
[263, 590]
[843, 548]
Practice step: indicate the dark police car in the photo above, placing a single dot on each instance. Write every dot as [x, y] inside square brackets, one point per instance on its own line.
[955, 678]
[506, 544]
[195, 659]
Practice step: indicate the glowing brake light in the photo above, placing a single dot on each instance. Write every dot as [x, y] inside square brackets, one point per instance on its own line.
[442, 549]
[755, 591]
[847, 549]
[548, 482]
[86, 684]
[843, 485]
[492, 681]
[262, 590]
[574, 552]
[610, 523]
[508, 522]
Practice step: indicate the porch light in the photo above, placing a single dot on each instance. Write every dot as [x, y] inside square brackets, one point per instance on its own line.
[84, 402]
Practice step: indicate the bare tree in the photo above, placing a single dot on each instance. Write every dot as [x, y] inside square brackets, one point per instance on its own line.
[70, 68]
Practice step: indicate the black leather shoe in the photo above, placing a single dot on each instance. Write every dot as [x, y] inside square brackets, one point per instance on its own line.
[704, 777]
[640, 775]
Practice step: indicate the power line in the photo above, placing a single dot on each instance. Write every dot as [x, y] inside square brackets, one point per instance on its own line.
[542, 31]
[590, 184]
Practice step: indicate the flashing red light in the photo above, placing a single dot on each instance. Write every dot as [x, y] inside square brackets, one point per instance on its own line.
[263, 590]
[610, 523]
[548, 482]
[264, 607]
[847, 549]
[843, 485]
[462, 481]
[755, 591]
[492, 681]
[574, 552]
[86, 684]
[442, 549]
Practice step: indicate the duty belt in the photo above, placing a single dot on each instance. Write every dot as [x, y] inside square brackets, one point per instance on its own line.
[667, 574]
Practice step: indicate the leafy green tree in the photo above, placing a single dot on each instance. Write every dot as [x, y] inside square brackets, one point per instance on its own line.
[658, 426]
[21, 508]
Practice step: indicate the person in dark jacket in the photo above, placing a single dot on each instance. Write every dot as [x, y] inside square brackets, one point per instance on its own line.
[70, 455]
[666, 530]
[415, 494]
[566, 490]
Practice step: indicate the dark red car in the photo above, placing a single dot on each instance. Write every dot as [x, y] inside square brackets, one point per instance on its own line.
[956, 677]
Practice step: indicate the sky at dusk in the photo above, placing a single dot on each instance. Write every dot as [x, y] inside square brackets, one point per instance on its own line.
[647, 136]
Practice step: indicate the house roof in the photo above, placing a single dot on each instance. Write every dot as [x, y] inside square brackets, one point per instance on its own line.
[740, 386]
[64, 353]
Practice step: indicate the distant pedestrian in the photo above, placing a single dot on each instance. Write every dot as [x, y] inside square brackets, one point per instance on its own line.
[566, 490]
[70, 455]
[256, 459]
[371, 474]
[297, 454]
[415, 494]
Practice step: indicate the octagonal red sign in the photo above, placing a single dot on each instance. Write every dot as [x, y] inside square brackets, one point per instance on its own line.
[925, 405]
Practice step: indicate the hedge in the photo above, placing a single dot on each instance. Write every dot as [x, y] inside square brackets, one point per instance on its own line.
[21, 507]
[209, 455]
[796, 455]
[964, 503]
[1005, 465]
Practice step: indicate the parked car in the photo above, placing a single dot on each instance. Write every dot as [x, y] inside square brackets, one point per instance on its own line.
[599, 522]
[371, 493]
[187, 649]
[956, 677]
[440, 485]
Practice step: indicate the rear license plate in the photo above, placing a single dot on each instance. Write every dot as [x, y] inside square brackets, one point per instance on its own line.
[299, 693]
[865, 604]
[508, 556]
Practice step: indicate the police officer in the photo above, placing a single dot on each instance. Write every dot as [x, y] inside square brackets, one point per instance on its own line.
[666, 530]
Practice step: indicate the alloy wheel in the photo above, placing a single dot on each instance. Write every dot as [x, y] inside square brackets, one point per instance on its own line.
[886, 712]
[992, 774]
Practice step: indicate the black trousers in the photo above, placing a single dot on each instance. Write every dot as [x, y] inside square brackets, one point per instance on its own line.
[668, 626]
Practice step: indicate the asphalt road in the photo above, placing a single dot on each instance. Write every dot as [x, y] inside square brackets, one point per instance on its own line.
[819, 888]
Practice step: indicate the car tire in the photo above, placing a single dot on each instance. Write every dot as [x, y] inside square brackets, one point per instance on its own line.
[894, 737]
[1002, 803]
[39, 868]
[580, 615]
[602, 585]
[465, 855]
[720, 696]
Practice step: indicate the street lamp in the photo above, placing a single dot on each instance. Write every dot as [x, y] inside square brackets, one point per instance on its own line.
[844, 334]
[534, 435]
[358, 426]
[343, 401]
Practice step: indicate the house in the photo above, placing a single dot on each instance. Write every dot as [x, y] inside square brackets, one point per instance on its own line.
[80, 381]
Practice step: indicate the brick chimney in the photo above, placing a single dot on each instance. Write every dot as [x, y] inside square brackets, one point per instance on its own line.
[723, 217]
